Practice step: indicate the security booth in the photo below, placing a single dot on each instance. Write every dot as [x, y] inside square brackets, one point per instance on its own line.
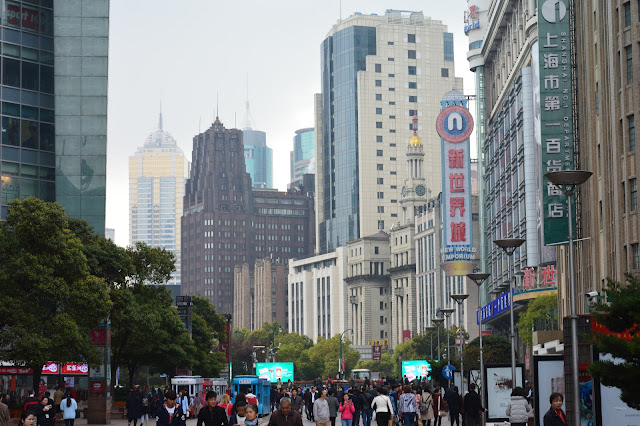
[260, 387]
[191, 384]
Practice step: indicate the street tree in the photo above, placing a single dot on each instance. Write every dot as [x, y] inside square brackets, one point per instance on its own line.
[324, 356]
[620, 314]
[208, 330]
[542, 308]
[495, 350]
[50, 299]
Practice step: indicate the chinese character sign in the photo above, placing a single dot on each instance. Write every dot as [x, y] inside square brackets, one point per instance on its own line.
[556, 111]
[454, 125]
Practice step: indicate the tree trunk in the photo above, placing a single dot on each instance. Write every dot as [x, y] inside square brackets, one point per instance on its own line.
[37, 374]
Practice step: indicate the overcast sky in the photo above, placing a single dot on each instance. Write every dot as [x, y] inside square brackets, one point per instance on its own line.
[182, 53]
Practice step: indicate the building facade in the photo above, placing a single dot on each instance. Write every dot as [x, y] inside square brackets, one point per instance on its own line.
[303, 156]
[54, 130]
[260, 294]
[377, 73]
[317, 295]
[157, 174]
[369, 290]
[226, 223]
[608, 85]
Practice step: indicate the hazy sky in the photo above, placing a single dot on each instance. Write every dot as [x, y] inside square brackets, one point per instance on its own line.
[182, 53]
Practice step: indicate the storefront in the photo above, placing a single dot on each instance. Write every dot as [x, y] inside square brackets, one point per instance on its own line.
[16, 381]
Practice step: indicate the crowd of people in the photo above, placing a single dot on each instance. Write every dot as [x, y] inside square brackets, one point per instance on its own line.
[42, 411]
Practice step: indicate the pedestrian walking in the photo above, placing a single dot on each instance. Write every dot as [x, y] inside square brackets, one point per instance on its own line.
[285, 415]
[251, 415]
[5, 417]
[438, 407]
[355, 398]
[426, 406]
[519, 409]
[296, 401]
[27, 419]
[347, 409]
[170, 413]
[133, 407]
[32, 403]
[382, 406]
[68, 406]
[57, 397]
[321, 410]
[47, 413]
[225, 403]
[183, 400]
[454, 402]
[212, 414]
[555, 416]
[472, 407]
[239, 418]
[334, 405]
[145, 406]
[407, 407]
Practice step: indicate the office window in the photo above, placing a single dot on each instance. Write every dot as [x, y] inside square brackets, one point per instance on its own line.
[379, 153]
[444, 72]
[392, 89]
[633, 189]
[390, 43]
[380, 209]
[390, 59]
[380, 195]
[392, 103]
[379, 111]
[627, 14]
[381, 224]
[448, 46]
[378, 67]
[381, 305]
[378, 83]
[413, 85]
[378, 138]
[413, 112]
[411, 54]
[411, 38]
[378, 96]
[392, 159]
[380, 181]
[378, 124]
[376, 250]
[635, 253]
[412, 70]
[392, 75]
[392, 117]
[10, 72]
[629, 53]
[381, 319]
[632, 132]
[413, 99]
[379, 167]
[624, 198]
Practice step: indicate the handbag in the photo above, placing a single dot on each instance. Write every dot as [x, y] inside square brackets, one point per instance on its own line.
[441, 411]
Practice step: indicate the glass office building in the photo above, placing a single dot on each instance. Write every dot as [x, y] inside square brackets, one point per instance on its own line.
[258, 158]
[54, 128]
[157, 175]
[303, 156]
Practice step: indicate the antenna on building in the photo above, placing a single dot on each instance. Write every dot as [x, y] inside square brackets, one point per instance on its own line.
[199, 124]
[160, 120]
[340, 18]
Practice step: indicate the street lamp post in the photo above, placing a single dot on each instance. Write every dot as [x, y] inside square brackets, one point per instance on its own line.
[447, 313]
[438, 321]
[459, 298]
[430, 329]
[341, 369]
[509, 246]
[276, 329]
[567, 181]
[479, 278]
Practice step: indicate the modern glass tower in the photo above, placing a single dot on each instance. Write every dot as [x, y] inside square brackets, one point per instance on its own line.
[258, 157]
[157, 175]
[54, 130]
[303, 156]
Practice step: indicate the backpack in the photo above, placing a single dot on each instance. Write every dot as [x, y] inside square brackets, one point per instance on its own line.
[145, 401]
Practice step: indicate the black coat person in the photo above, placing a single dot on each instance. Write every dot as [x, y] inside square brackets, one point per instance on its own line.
[133, 406]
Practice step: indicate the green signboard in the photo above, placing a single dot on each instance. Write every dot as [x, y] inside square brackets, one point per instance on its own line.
[416, 368]
[556, 111]
[275, 370]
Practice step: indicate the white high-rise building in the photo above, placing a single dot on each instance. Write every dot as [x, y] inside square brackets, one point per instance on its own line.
[157, 174]
[377, 73]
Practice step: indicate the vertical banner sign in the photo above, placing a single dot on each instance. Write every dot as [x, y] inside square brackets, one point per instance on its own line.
[454, 125]
[376, 352]
[556, 116]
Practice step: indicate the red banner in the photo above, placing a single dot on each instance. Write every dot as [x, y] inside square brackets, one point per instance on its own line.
[50, 368]
[406, 335]
[224, 348]
[15, 370]
[75, 368]
[376, 352]
[98, 337]
[599, 328]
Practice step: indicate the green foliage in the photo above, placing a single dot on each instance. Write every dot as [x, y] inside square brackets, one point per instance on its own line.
[150, 265]
[325, 354]
[50, 299]
[620, 315]
[495, 350]
[208, 329]
[294, 348]
[542, 307]
[385, 366]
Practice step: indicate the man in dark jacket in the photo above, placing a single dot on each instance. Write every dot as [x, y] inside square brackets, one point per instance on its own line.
[354, 396]
[555, 416]
[170, 413]
[454, 401]
[285, 416]
[296, 402]
[32, 403]
[472, 407]
[211, 414]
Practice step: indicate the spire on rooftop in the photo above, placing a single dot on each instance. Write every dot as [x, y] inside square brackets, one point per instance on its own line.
[160, 119]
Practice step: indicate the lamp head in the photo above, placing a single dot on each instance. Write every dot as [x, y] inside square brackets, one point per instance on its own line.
[509, 245]
[478, 277]
[459, 298]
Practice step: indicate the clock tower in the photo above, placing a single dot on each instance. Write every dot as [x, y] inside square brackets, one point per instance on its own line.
[414, 192]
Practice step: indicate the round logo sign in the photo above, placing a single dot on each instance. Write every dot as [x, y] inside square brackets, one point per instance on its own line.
[454, 124]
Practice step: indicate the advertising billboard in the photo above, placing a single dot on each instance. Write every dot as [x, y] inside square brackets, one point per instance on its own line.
[556, 111]
[454, 125]
[416, 368]
[275, 370]
[548, 373]
[498, 389]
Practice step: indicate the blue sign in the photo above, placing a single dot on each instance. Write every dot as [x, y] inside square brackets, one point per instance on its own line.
[498, 306]
[447, 371]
